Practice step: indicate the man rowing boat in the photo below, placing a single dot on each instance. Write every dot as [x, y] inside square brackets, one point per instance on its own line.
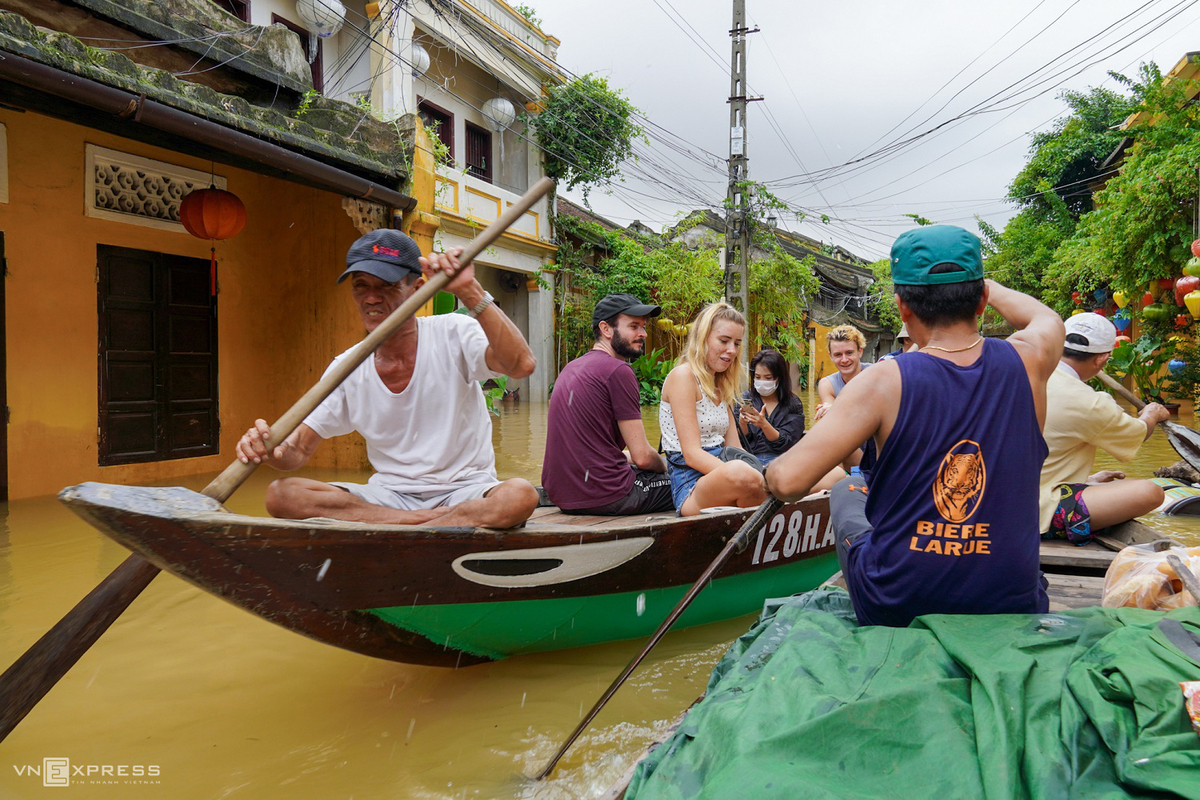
[1078, 421]
[417, 403]
[950, 522]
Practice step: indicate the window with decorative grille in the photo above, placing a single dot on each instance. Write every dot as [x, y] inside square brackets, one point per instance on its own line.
[479, 152]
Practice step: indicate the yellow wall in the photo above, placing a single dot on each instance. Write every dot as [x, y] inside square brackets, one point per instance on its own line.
[281, 317]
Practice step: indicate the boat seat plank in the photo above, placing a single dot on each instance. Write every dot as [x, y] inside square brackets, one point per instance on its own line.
[1061, 553]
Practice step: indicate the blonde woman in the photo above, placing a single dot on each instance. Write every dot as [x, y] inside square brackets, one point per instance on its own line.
[696, 417]
[845, 343]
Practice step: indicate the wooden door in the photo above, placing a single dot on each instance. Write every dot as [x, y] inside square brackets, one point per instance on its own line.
[157, 357]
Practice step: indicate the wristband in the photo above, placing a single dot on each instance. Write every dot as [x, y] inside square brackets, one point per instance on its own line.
[482, 305]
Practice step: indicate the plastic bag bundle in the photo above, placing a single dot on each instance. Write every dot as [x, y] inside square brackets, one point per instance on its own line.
[1140, 577]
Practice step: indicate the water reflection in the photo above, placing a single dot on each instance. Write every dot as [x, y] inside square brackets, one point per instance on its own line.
[230, 706]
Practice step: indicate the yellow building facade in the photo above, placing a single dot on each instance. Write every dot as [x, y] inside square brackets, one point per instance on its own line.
[280, 316]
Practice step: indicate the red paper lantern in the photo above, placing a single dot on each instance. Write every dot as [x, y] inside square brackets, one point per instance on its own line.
[1077, 297]
[1147, 299]
[213, 214]
[1188, 283]
[1183, 320]
[1196, 248]
[1166, 283]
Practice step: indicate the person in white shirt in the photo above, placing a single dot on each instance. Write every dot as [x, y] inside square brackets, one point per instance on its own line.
[417, 402]
[1079, 420]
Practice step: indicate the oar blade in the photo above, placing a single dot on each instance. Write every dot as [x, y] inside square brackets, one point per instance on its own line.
[1185, 441]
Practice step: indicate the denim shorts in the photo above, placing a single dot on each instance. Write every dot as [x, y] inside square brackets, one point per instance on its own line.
[683, 477]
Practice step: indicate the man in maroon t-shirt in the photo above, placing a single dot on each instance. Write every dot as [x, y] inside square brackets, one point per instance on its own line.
[595, 413]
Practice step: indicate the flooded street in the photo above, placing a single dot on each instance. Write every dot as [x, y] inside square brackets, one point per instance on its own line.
[226, 705]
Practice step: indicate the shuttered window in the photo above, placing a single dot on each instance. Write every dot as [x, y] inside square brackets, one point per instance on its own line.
[479, 152]
[157, 357]
[440, 123]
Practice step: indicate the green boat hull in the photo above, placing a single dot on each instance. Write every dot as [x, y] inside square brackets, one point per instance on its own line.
[501, 628]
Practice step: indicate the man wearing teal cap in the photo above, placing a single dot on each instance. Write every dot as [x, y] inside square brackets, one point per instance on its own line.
[948, 521]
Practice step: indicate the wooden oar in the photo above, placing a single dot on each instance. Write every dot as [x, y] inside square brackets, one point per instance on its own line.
[25, 683]
[757, 520]
[1185, 440]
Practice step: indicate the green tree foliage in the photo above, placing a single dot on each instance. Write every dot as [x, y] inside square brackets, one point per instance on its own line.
[681, 280]
[529, 13]
[1052, 190]
[882, 295]
[1142, 225]
[586, 131]
[781, 286]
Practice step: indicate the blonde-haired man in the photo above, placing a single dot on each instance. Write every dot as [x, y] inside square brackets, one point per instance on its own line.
[845, 343]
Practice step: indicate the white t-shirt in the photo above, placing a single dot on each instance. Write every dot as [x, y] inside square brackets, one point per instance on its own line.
[1080, 420]
[436, 434]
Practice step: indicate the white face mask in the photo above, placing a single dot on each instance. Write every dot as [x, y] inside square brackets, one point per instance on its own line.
[765, 388]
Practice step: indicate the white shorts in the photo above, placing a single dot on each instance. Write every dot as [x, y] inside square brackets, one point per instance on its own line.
[406, 501]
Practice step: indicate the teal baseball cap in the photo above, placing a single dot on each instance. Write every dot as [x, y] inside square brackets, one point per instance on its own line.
[916, 252]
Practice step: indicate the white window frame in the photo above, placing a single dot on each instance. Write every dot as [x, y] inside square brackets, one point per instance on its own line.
[95, 154]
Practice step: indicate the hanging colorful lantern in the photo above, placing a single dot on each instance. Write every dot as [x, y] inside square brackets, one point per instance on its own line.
[1196, 248]
[1100, 295]
[1147, 299]
[1078, 311]
[1192, 301]
[1077, 297]
[1175, 365]
[1192, 267]
[1166, 283]
[1182, 320]
[1188, 283]
[1121, 299]
[212, 214]
[1121, 323]
[1123, 340]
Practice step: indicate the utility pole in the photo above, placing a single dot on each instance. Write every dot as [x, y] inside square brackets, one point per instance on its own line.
[737, 205]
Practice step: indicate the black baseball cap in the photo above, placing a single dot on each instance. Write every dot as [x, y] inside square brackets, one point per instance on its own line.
[614, 304]
[385, 253]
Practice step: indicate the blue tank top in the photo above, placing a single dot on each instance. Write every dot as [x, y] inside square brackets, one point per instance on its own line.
[953, 499]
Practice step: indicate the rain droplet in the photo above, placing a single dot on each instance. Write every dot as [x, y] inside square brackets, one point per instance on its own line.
[411, 724]
[523, 696]
[570, 398]
[586, 473]
[324, 569]
[641, 604]
[393, 694]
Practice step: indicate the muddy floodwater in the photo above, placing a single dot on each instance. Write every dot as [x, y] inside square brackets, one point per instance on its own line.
[224, 705]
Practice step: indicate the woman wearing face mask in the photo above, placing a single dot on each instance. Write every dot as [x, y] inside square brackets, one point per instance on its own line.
[772, 419]
[695, 417]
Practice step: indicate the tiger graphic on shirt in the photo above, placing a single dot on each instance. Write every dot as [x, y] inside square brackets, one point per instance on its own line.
[957, 491]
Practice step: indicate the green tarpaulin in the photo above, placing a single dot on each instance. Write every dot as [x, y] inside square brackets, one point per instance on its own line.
[809, 705]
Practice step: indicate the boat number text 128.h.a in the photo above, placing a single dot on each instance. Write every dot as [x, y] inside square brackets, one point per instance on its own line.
[790, 534]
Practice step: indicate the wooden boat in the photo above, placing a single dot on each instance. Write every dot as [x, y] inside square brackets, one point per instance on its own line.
[458, 596]
[1075, 574]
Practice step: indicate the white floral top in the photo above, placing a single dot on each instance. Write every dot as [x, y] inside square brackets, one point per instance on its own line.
[713, 419]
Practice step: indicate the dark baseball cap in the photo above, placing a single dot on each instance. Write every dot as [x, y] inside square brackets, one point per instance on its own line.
[614, 304]
[918, 251]
[385, 253]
